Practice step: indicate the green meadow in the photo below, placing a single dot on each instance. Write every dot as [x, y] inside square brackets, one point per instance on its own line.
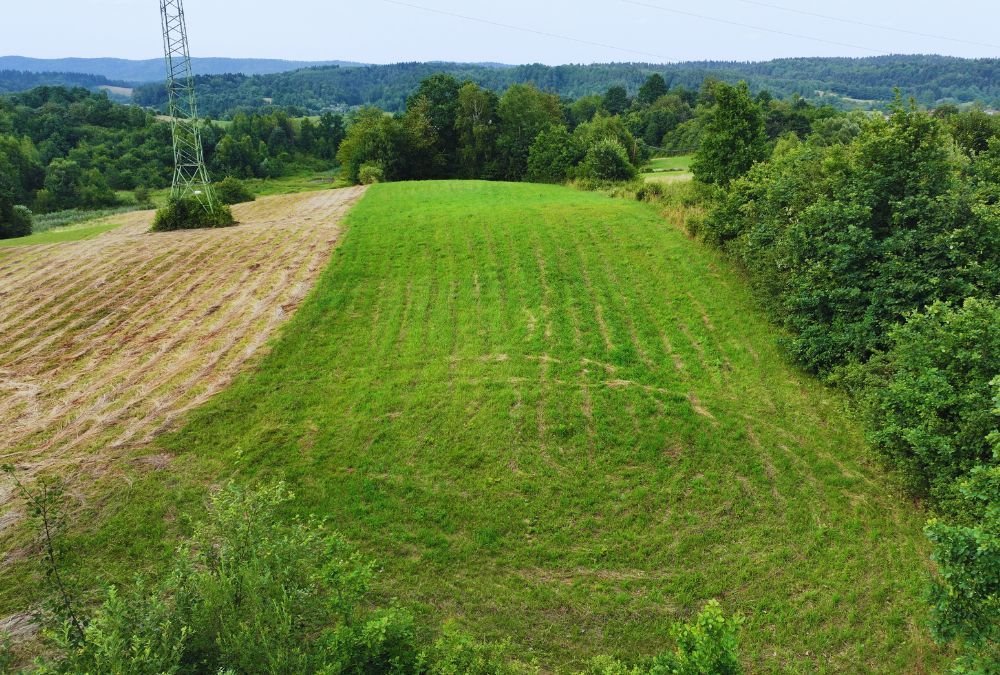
[79, 232]
[667, 169]
[552, 416]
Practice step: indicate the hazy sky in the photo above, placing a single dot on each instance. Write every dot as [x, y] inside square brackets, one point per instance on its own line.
[384, 31]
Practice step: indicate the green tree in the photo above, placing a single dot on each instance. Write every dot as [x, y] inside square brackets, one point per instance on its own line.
[616, 100]
[603, 127]
[607, 159]
[476, 126]
[523, 113]
[553, 154]
[652, 89]
[440, 95]
[331, 134]
[372, 137]
[63, 180]
[733, 137]
[931, 395]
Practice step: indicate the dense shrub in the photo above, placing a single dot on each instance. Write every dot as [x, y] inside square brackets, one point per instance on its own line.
[17, 224]
[844, 242]
[552, 156]
[189, 214]
[233, 191]
[371, 173]
[607, 159]
[249, 593]
[930, 397]
[965, 595]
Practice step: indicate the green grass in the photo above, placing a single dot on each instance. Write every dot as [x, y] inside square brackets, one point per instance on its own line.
[303, 181]
[677, 163]
[552, 416]
[668, 169]
[86, 230]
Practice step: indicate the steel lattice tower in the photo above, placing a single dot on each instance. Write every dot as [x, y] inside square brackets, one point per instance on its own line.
[190, 174]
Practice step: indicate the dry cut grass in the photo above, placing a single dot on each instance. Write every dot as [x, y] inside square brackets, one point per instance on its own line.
[107, 342]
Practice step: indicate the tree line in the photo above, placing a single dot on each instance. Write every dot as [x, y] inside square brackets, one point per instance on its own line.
[73, 149]
[877, 247]
[931, 80]
[453, 129]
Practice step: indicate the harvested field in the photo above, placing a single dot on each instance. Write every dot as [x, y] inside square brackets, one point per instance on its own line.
[109, 341]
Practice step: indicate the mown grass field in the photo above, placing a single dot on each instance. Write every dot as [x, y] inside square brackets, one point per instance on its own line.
[550, 415]
[79, 232]
[667, 169]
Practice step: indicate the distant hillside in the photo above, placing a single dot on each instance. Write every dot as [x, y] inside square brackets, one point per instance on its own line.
[152, 70]
[13, 81]
[867, 82]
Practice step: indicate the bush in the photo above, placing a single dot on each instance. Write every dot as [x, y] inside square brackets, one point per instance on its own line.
[845, 242]
[233, 191]
[650, 192]
[142, 196]
[930, 398]
[706, 647]
[18, 224]
[371, 173]
[251, 592]
[607, 160]
[552, 156]
[965, 592]
[456, 653]
[248, 593]
[188, 214]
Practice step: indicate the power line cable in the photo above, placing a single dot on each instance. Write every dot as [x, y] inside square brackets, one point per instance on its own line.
[855, 22]
[750, 26]
[522, 29]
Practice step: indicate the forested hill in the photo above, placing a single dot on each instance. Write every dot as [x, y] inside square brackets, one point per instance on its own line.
[866, 81]
[13, 81]
[151, 70]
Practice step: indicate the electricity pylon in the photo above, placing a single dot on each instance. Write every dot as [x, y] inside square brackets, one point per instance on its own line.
[190, 173]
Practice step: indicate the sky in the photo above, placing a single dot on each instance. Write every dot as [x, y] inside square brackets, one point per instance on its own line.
[513, 31]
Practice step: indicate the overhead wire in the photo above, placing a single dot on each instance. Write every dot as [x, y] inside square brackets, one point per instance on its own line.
[523, 29]
[740, 24]
[856, 22]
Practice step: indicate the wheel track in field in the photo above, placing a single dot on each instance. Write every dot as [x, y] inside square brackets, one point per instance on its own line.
[105, 343]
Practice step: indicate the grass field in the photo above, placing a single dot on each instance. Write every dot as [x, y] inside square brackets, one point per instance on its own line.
[65, 234]
[668, 169]
[552, 416]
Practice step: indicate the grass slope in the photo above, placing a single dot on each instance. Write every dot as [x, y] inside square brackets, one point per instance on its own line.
[550, 415]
